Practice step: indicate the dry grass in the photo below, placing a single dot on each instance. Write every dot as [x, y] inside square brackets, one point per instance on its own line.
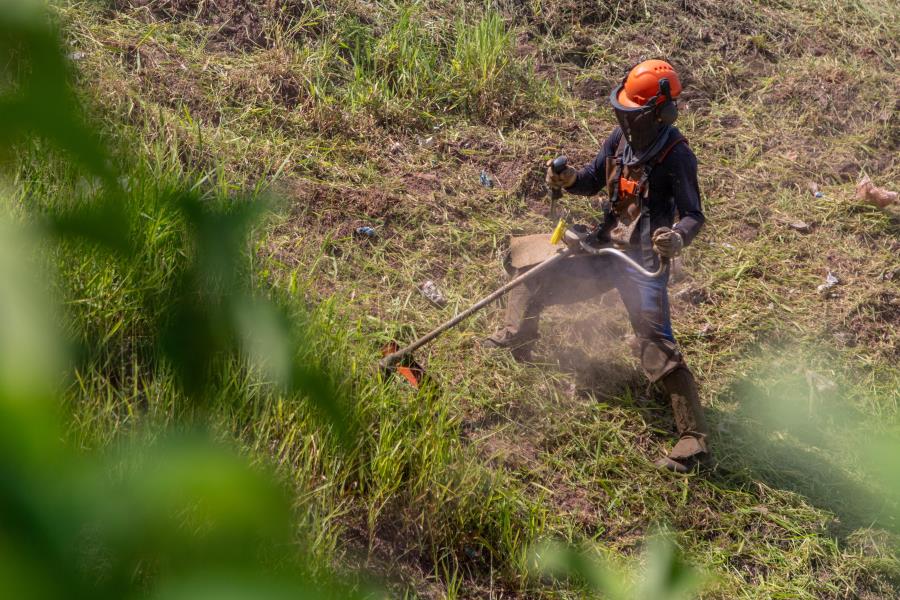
[779, 96]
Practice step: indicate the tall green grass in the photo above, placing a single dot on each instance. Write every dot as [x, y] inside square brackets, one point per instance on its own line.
[161, 343]
[423, 69]
[174, 318]
[152, 268]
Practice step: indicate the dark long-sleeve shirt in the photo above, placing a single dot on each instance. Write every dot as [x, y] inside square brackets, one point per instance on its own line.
[673, 187]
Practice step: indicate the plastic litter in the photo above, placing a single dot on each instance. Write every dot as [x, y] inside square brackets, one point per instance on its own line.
[831, 280]
[486, 180]
[366, 231]
[880, 197]
[76, 56]
[433, 294]
[813, 187]
[801, 226]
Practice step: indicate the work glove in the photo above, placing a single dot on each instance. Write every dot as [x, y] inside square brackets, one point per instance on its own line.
[563, 180]
[667, 242]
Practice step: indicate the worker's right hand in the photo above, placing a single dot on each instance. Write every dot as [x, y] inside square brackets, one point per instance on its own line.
[561, 180]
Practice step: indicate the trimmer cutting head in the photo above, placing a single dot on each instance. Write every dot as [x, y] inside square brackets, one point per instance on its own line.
[406, 367]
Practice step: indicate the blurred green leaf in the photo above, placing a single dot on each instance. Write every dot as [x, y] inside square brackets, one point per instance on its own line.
[40, 100]
[667, 576]
[103, 223]
[661, 573]
[165, 515]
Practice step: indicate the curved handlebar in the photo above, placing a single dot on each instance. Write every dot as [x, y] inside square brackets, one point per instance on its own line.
[663, 261]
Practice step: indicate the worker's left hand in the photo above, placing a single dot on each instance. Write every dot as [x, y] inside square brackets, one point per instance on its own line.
[667, 242]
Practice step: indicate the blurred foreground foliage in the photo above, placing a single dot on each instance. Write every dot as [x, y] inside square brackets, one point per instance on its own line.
[172, 514]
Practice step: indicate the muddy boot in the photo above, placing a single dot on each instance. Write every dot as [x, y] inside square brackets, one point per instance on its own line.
[519, 349]
[690, 451]
[520, 330]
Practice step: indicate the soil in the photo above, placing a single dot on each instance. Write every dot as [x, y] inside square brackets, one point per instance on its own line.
[340, 210]
[875, 322]
[233, 23]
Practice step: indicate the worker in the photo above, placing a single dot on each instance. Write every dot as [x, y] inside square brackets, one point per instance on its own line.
[650, 175]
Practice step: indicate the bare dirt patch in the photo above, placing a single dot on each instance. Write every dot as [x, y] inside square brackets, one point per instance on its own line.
[338, 208]
[875, 322]
[242, 24]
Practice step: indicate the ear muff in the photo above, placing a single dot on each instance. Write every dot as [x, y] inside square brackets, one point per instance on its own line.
[668, 110]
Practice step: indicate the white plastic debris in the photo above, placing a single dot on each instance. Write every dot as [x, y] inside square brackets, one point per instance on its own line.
[433, 294]
[831, 280]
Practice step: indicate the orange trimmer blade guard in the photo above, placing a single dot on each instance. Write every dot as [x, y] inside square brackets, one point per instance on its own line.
[407, 368]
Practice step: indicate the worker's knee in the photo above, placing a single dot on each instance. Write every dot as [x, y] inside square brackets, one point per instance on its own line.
[659, 356]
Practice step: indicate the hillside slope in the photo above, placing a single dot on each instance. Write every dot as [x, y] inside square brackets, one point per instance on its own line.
[372, 113]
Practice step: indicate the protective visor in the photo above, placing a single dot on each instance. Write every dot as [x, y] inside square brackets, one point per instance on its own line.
[640, 125]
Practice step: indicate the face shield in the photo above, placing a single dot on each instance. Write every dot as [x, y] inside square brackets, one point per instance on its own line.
[640, 125]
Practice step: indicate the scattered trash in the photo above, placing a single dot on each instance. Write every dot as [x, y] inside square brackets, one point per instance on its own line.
[366, 231]
[76, 56]
[433, 294]
[868, 192]
[486, 180]
[801, 226]
[819, 195]
[831, 280]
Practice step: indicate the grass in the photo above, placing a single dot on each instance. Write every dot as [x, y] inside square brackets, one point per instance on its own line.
[384, 115]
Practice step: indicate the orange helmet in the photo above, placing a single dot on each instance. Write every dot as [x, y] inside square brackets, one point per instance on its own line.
[645, 106]
[643, 83]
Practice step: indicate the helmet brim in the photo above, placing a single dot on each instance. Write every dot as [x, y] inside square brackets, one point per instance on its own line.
[620, 100]
[623, 99]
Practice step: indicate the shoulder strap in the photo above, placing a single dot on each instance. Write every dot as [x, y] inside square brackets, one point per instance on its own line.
[661, 156]
[665, 151]
[620, 149]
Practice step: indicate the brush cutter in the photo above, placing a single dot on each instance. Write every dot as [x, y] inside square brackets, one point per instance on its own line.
[401, 360]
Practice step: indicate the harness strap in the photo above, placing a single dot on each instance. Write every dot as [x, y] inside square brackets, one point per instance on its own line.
[665, 151]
